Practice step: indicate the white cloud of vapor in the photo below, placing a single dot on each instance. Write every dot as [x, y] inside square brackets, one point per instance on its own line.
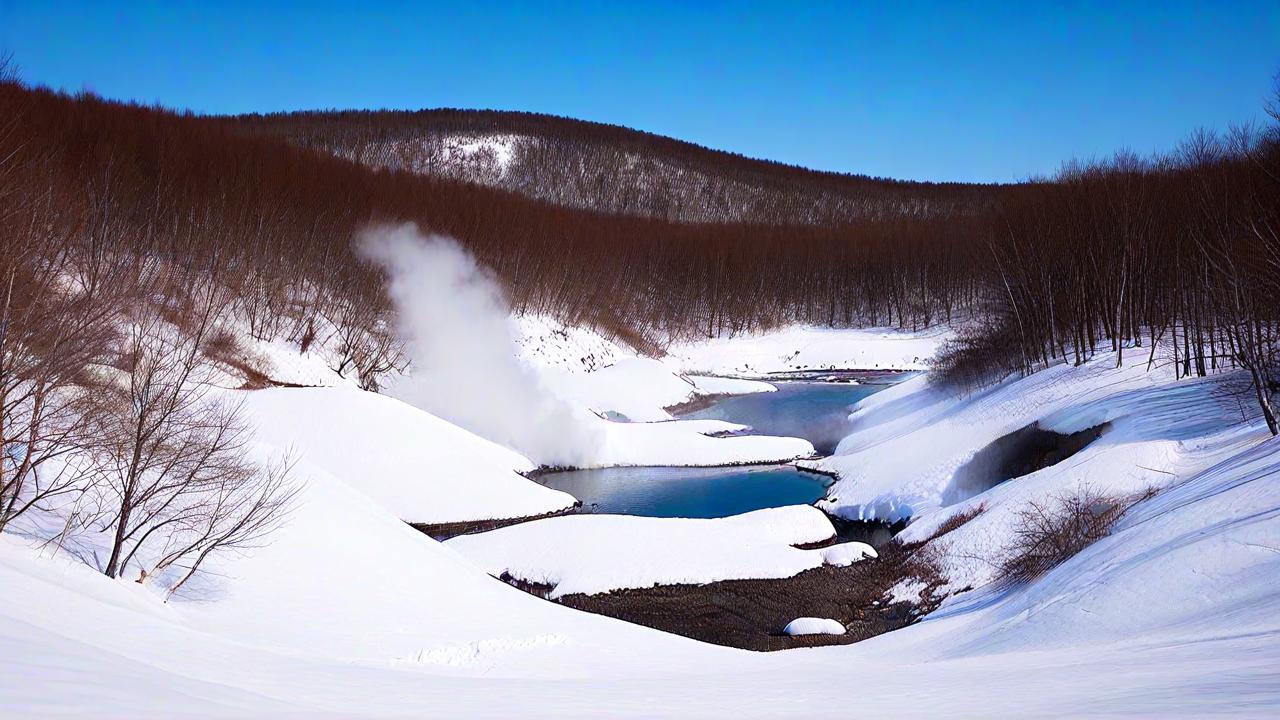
[456, 325]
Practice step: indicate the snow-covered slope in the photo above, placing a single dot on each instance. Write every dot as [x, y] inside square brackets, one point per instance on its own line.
[911, 439]
[809, 348]
[350, 613]
[419, 467]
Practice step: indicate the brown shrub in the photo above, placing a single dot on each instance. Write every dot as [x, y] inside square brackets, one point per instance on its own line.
[1050, 533]
[956, 521]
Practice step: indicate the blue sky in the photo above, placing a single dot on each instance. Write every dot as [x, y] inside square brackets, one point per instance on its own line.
[933, 91]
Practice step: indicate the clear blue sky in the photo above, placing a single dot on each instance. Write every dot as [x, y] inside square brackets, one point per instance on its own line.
[945, 91]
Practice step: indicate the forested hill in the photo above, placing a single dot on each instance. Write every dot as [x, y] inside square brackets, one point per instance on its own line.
[610, 168]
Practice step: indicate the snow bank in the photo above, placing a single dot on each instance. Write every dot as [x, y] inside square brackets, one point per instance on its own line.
[598, 553]
[419, 467]
[910, 440]
[809, 348]
[583, 367]
[712, 385]
[689, 442]
[846, 554]
[637, 388]
[813, 626]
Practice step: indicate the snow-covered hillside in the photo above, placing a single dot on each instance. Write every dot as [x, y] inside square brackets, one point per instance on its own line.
[809, 348]
[348, 612]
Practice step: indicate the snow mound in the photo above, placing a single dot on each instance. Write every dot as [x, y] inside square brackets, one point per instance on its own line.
[814, 626]
[846, 554]
[419, 467]
[690, 443]
[910, 440]
[598, 553]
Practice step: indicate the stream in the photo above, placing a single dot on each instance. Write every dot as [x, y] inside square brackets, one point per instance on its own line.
[808, 407]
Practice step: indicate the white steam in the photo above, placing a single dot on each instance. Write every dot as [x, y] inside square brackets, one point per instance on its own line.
[456, 327]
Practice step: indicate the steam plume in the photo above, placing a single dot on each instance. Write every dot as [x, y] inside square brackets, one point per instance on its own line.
[456, 325]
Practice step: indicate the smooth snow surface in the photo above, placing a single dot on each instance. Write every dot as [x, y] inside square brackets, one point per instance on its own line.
[597, 553]
[813, 626]
[689, 442]
[419, 467]
[350, 613]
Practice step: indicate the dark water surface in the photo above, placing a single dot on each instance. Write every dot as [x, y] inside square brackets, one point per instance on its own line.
[816, 411]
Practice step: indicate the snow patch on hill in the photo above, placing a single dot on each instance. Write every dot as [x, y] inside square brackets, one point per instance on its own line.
[799, 348]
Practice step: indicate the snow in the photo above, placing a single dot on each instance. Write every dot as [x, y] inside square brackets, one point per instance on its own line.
[637, 388]
[285, 364]
[813, 626]
[911, 438]
[688, 442]
[350, 613]
[809, 348]
[712, 385]
[598, 553]
[846, 554]
[547, 343]
[495, 151]
[417, 466]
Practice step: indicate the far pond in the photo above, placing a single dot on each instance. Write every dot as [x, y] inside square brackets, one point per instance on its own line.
[816, 411]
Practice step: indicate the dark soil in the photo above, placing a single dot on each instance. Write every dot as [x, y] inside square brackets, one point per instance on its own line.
[444, 531]
[751, 614]
[694, 404]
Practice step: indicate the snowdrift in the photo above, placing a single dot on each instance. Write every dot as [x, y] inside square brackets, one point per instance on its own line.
[597, 553]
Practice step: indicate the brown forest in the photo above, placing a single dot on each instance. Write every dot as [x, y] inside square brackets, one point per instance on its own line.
[609, 168]
[1176, 257]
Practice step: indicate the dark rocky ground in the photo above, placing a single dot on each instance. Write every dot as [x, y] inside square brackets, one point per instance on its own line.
[750, 614]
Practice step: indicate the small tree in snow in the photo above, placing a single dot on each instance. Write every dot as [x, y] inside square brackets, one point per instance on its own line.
[174, 480]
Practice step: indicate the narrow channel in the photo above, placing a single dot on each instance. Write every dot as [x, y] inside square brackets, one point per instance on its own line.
[813, 408]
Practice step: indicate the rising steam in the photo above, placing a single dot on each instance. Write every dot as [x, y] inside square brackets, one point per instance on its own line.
[456, 326]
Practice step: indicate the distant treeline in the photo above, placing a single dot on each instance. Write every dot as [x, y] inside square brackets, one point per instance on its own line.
[1179, 250]
[277, 221]
[609, 168]
[1176, 256]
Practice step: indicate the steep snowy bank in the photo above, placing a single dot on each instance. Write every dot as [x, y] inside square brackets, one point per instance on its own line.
[911, 439]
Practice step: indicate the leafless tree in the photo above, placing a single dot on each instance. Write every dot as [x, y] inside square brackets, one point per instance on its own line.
[175, 479]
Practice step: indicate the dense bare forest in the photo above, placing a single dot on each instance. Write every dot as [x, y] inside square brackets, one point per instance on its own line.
[106, 203]
[594, 166]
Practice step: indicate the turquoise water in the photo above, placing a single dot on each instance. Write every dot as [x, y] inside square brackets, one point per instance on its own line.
[816, 411]
[689, 492]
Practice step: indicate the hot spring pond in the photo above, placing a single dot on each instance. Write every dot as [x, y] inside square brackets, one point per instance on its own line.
[688, 492]
[816, 411]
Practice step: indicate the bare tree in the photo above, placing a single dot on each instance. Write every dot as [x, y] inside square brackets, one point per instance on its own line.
[176, 482]
[52, 329]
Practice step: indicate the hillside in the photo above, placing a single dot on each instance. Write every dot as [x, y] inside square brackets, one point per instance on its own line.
[610, 168]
